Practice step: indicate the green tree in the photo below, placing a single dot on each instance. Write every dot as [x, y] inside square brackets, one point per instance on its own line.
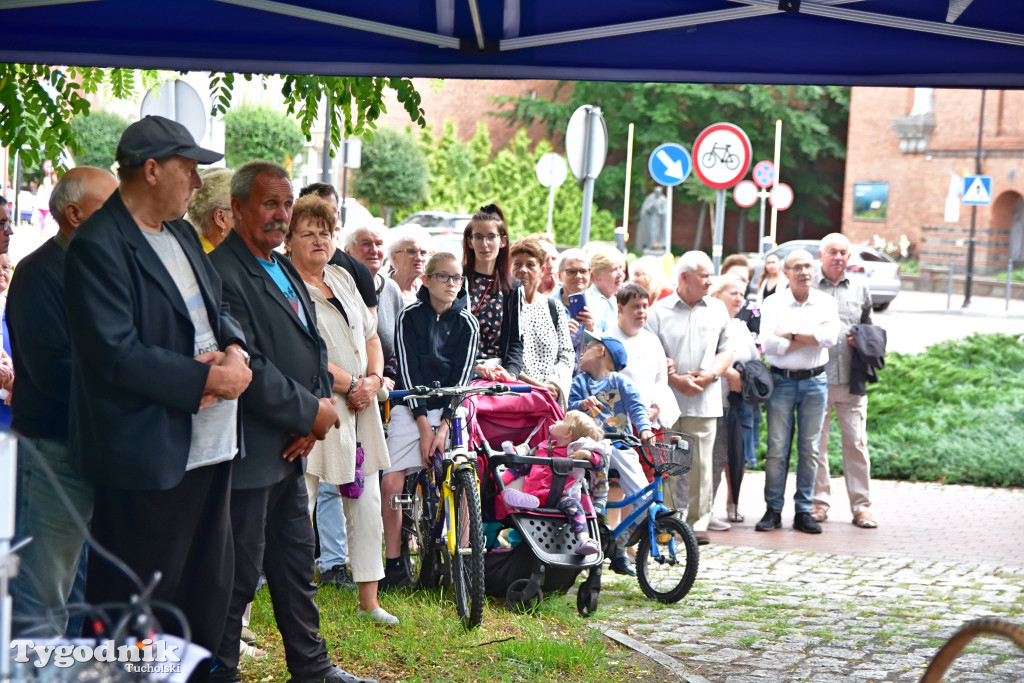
[393, 173]
[38, 102]
[464, 177]
[814, 132]
[260, 133]
[97, 134]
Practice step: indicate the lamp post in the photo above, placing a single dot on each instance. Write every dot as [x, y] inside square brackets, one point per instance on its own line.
[974, 209]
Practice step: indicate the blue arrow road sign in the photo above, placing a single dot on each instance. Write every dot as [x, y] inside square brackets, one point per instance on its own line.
[669, 164]
[977, 190]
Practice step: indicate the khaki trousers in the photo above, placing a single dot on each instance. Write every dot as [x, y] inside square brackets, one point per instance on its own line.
[852, 414]
[693, 491]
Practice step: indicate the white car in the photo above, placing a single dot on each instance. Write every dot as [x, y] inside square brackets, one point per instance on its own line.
[445, 228]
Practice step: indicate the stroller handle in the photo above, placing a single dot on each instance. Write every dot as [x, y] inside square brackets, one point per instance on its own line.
[428, 392]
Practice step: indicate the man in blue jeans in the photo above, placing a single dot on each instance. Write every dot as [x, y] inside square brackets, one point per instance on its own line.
[798, 325]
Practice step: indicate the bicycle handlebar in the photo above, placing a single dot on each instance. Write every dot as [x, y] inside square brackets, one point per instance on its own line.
[433, 392]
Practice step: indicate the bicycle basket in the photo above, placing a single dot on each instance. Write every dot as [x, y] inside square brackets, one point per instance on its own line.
[670, 453]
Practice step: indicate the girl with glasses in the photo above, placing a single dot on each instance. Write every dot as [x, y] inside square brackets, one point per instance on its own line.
[495, 297]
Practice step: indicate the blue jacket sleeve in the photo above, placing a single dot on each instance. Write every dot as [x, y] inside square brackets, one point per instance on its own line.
[578, 391]
[634, 406]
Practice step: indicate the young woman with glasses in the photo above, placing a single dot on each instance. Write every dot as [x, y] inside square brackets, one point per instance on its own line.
[495, 297]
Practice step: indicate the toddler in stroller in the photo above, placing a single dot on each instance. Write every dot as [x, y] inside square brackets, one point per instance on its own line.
[576, 437]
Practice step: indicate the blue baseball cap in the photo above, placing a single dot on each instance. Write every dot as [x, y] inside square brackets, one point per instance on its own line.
[614, 346]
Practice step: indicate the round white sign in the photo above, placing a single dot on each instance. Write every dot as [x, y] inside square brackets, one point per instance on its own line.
[721, 155]
[781, 196]
[745, 193]
[551, 170]
[576, 140]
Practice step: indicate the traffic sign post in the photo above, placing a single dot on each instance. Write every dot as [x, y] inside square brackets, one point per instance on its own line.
[551, 174]
[586, 147]
[977, 190]
[764, 177]
[669, 165]
[721, 155]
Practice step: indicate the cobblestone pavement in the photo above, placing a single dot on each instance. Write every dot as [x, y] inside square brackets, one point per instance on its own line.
[761, 615]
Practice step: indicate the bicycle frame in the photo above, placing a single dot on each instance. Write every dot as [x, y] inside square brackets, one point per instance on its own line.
[456, 457]
[654, 506]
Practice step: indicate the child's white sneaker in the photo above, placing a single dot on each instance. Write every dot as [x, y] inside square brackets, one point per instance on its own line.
[587, 546]
[518, 499]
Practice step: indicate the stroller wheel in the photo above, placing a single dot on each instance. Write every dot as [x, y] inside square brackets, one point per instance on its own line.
[586, 601]
[520, 599]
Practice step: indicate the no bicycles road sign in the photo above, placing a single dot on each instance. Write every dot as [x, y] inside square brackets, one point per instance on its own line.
[721, 155]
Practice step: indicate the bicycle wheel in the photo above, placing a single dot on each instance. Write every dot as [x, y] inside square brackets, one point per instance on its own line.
[421, 557]
[732, 161]
[670, 575]
[708, 160]
[467, 564]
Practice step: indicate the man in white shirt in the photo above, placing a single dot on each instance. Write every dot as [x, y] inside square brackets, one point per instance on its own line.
[798, 325]
[692, 329]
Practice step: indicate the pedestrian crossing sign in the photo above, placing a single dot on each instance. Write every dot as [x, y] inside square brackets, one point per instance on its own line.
[977, 190]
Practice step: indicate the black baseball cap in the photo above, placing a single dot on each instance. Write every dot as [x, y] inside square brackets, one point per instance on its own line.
[155, 137]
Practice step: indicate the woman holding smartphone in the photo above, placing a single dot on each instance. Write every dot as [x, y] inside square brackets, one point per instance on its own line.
[574, 273]
[495, 297]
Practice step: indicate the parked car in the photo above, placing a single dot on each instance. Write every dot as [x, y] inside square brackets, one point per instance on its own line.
[881, 271]
[445, 227]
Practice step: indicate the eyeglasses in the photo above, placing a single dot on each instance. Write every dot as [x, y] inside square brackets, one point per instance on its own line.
[593, 346]
[576, 272]
[446, 277]
[422, 253]
[5, 225]
[490, 238]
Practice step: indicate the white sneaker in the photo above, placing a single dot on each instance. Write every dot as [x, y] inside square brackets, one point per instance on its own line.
[378, 615]
[718, 525]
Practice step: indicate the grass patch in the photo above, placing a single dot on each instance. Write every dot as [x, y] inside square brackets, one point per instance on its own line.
[430, 644]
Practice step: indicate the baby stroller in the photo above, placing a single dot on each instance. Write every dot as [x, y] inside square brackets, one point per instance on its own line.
[544, 556]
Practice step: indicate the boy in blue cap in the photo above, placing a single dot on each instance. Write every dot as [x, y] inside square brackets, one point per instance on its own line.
[602, 392]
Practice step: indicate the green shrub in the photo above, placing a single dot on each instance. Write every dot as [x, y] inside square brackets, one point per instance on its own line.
[393, 171]
[98, 132]
[1018, 275]
[252, 133]
[952, 414]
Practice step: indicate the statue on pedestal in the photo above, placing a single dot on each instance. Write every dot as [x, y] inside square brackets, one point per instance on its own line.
[652, 220]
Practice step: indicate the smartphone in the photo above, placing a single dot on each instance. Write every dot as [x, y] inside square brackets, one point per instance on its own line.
[577, 302]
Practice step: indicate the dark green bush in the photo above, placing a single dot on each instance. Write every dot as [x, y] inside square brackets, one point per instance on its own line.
[99, 132]
[252, 133]
[952, 414]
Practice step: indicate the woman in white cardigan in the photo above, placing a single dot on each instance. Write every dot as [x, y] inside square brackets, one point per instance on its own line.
[356, 362]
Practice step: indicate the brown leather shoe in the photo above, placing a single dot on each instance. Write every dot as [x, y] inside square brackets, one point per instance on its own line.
[702, 537]
[819, 514]
[864, 520]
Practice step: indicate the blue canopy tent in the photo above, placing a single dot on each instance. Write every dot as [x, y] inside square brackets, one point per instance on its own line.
[959, 43]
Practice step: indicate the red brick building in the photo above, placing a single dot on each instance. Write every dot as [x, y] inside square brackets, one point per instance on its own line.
[916, 141]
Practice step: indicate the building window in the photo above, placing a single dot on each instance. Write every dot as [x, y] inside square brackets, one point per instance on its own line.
[870, 201]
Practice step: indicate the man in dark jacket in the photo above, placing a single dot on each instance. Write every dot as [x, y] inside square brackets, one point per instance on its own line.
[157, 366]
[38, 322]
[286, 408]
[436, 339]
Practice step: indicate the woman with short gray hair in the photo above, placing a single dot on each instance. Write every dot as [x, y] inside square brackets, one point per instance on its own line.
[365, 243]
[209, 209]
[408, 251]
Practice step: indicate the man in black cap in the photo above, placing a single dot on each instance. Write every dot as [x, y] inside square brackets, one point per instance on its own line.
[157, 367]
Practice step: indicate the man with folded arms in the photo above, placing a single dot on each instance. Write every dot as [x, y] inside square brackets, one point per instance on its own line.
[798, 325]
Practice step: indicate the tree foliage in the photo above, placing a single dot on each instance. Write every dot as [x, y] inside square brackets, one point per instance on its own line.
[814, 131]
[464, 177]
[260, 133]
[393, 172]
[97, 134]
[38, 102]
